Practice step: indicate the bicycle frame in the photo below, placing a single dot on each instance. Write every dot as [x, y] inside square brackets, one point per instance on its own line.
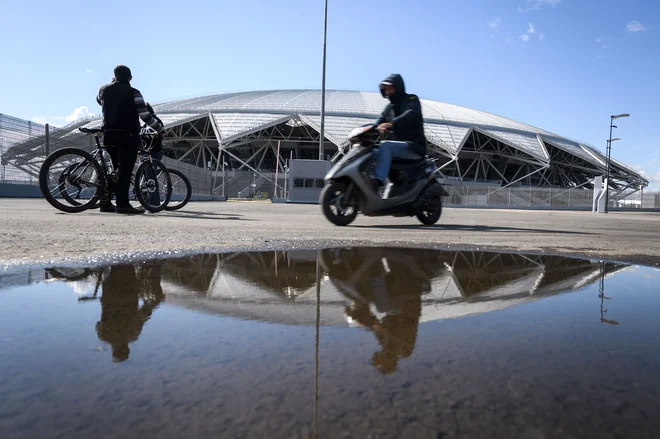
[144, 154]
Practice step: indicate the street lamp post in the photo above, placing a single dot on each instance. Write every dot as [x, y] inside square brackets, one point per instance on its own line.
[608, 155]
[325, 31]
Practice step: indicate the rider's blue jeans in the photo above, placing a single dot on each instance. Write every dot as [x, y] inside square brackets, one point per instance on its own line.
[387, 151]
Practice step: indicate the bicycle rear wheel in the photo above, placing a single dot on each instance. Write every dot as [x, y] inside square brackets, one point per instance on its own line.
[70, 180]
[153, 186]
[93, 204]
[181, 190]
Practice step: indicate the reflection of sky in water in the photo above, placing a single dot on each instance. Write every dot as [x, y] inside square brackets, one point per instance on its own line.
[47, 320]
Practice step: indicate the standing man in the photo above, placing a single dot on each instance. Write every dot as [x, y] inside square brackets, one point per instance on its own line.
[123, 107]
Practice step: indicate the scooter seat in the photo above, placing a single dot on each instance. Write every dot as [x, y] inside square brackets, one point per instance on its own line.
[408, 160]
[407, 164]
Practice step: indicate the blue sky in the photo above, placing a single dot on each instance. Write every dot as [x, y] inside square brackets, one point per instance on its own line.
[562, 65]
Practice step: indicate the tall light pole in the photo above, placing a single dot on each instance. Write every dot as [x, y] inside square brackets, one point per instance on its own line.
[609, 154]
[325, 31]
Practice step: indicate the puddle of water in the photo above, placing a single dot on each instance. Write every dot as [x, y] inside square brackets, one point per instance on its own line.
[361, 342]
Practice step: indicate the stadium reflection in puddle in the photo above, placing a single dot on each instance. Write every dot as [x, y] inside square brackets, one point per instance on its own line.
[357, 342]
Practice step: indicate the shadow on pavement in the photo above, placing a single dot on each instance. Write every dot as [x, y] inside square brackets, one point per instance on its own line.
[183, 215]
[467, 228]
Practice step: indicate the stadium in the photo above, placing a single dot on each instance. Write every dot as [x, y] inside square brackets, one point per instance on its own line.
[228, 145]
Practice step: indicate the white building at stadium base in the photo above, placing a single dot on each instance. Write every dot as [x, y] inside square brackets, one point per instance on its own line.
[242, 131]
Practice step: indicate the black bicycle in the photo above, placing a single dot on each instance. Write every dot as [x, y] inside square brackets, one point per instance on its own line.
[180, 187]
[72, 180]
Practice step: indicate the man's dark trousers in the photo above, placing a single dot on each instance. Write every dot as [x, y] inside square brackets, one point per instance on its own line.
[123, 149]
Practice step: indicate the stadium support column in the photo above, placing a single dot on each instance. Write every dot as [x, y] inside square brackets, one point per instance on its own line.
[220, 158]
[277, 168]
[325, 31]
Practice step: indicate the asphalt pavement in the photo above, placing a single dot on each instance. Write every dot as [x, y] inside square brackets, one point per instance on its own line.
[31, 231]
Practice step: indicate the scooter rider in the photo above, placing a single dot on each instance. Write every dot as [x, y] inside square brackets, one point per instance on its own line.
[403, 117]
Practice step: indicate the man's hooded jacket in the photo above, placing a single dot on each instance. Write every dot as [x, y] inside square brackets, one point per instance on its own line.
[404, 112]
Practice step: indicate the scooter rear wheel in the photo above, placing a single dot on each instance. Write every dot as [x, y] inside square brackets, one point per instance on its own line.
[337, 208]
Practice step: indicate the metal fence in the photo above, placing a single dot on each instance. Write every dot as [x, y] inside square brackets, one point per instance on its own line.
[237, 184]
[252, 185]
[14, 131]
[38, 140]
[555, 198]
[24, 145]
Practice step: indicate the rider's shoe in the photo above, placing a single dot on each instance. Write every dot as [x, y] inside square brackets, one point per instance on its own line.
[129, 210]
[107, 208]
[376, 184]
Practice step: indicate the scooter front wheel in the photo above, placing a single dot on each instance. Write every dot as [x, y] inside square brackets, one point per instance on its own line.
[339, 208]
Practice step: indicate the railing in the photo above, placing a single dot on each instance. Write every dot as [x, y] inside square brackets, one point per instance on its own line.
[554, 198]
[250, 185]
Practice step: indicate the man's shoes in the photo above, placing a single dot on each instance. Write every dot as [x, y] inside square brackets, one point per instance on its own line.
[129, 210]
[107, 208]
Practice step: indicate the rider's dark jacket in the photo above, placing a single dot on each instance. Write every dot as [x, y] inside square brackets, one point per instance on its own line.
[404, 112]
[123, 107]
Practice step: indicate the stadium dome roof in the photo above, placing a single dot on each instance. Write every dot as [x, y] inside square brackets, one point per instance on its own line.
[446, 125]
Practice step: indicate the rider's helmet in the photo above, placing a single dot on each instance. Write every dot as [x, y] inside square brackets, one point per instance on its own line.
[383, 85]
[394, 80]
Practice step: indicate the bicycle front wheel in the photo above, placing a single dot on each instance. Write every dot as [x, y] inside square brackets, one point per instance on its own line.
[181, 190]
[153, 187]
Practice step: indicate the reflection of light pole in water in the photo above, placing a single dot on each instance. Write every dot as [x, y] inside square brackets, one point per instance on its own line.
[315, 434]
[601, 294]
